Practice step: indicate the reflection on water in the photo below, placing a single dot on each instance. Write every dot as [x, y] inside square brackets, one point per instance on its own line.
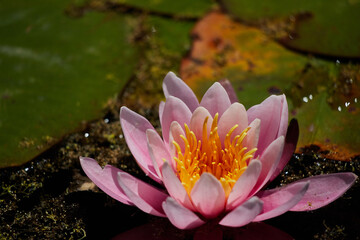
[162, 230]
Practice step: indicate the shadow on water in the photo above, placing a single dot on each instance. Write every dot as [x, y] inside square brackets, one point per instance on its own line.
[162, 230]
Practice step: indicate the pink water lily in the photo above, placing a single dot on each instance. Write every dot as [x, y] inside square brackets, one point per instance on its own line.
[213, 159]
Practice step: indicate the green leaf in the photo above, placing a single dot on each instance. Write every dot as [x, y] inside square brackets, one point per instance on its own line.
[185, 8]
[328, 27]
[258, 66]
[55, 73]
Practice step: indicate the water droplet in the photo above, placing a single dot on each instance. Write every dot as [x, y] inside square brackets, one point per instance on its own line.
[355, 100]
[339, 108]
[347, 104]
[26, 169]
[337, 62]
[86, 135]
[310, 96]
[121, 136]
[106, 120]
[305, 99]
[311, 128]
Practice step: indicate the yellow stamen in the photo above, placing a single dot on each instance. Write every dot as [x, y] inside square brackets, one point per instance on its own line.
[225, 161]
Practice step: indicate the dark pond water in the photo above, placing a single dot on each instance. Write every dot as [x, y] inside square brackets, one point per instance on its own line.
[50, 198]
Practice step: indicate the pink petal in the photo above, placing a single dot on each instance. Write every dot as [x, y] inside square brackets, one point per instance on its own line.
[175, 188]
[244, 185]
[157, 150]
[269, 112]
[197, 121]
[235, 114]
[252, 138]
[174, 86]
[243, 214]
[229, 89]
[105, 179]
[324, 189]
[161, 111]
[284, 118]
[176, 131]
[215, 100]
[208, 196]
[134, 127]
[269, 160]
[174, 110]
[280, 200]
[143, 195]
[180, 216]
[291, 139]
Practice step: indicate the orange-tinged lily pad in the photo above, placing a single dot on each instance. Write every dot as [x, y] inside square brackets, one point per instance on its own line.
[258, 66]
[326, 27]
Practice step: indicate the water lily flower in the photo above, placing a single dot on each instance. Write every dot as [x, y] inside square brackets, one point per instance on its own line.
[214, 160]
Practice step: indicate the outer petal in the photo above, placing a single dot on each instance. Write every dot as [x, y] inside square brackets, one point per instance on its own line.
[252, 138]
[269, 160]
[324, 189]
[174, 110]
[208, 196]
[174, 86]
[229, 89]
[235, 114]
[243, 214]
[280, 200]
[197, 122]
[216, 100]
[175, 188]
[284, 117]
[270, 113]
[105, 179]
[244, 185]
[143, 195]
[180, 216]
[291, 139]
[134, 127]
[157, 150]
[161, 111]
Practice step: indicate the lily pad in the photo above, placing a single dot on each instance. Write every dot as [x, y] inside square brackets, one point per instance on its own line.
[55, 73]
[257, 66]
[328, 27]
[186, 8]
[334, 131]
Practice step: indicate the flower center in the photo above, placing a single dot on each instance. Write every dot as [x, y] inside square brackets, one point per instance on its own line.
[225, 161]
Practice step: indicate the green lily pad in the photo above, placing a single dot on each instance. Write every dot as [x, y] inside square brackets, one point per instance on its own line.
[258, 66]
[56, 72]
[334, 131]
[172, 36]
[328, 27]
[185, 8]
[162, 43]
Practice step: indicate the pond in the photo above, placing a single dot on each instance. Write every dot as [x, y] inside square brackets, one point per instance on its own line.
[66, 69]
